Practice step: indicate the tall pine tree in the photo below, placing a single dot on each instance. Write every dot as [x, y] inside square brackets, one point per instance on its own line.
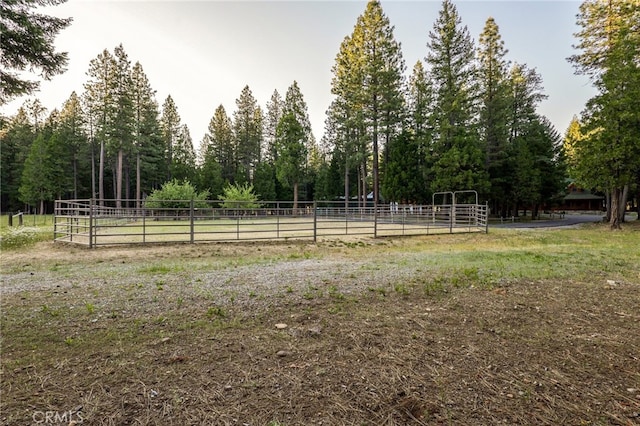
[101, 109]
[247, 129]
[458, 156]
[494, 111]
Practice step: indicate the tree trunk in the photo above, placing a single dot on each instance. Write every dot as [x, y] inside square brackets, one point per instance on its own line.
[93, 171]
[127, 182]
[101, 175]
[623, 203]
[375, 152]
[616, 197]
[75, 177]
[119, 179]
[346, 183]
[295, 198]
[138, 202]
[638, 196]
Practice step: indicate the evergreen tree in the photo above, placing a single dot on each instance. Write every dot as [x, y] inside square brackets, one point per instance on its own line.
[346, 114]
[27, 43]
[368, 79]
[538, 172]
[527, 145]
[170, 126]
[247, 129]
[420, 103]
[183, 166]
[294, 103]
[57, 169]
[101, 108]
[266, 186]
[266, 183]
[526, 93]
[402, 181]
[273, 115]
[609, 41]
[71, 131]
[494, 111]
[35, 184]
[148, 145]
[122, 131]
[420, 124]
[15, 142]
[333, 145]
[292, 153]
[218, 145]
[37, 113]
[458, 157]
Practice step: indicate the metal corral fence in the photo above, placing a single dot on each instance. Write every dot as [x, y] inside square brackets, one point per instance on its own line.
[100, 222]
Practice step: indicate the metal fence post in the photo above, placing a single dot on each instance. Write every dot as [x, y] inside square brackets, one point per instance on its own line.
[375, 219]
[486, 217]
[315, 221]
[91, 223]
[144, 224]
[191, 221]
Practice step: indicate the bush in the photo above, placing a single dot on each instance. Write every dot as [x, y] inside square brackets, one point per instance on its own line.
[177, 195]
[239, 197]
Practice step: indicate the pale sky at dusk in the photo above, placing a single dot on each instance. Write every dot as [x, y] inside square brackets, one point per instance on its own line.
[204, 52]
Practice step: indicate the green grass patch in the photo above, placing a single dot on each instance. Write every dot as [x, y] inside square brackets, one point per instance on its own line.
[24, 236]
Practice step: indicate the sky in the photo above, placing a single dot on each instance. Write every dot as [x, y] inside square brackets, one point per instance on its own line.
[203, 53]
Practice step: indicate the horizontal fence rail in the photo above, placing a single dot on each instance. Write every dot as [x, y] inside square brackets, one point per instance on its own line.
[107, 222]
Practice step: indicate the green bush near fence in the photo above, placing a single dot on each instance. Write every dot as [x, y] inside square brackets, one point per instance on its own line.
[239, 197]
[177, 195]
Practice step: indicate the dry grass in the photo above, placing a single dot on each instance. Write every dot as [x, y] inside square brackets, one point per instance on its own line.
[532, 328]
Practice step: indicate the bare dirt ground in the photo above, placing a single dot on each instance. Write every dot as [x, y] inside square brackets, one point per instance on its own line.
[372, 332]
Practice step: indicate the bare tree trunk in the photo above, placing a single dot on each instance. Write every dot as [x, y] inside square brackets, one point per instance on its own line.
[101, 175]
[360, 179]
[119, 179]
[75, 177]
[127, 182]
[138, 181]
[295, 198]
[93, 171]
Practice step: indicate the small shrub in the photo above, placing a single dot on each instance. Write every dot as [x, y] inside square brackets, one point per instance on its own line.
[177, 195]
[239, 197]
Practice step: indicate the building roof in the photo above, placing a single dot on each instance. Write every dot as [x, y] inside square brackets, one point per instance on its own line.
[582, 196]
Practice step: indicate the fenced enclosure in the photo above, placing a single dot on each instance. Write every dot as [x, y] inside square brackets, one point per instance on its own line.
[95, 223]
